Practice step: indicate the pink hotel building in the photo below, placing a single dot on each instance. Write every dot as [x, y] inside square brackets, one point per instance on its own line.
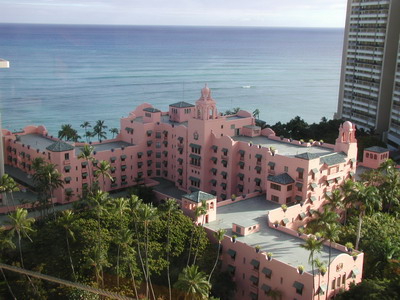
[243, 172]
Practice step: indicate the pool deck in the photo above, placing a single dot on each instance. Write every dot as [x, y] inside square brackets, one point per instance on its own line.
[284, 247]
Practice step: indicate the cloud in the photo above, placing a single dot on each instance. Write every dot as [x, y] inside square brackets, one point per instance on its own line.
[302, 13]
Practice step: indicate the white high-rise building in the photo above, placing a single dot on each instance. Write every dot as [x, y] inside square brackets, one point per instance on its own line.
[393, 136]
[368, 64]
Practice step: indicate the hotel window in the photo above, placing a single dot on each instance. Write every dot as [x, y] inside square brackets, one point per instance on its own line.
[274, 198]
[367, 155]
[299, 187]
[267, 272]
[195, 160]
[344, 279]
[158, 154]
[286, 169]
[123, 157]
[300, 173]
[225, 151]
[299, 287]
[276, 187]
[158, 145]
[195, 148]
[333, 284]
[288, 199]
[158, 134]
[66, 156]
[255, 263]
[289, 187]
[271, 166]
[224, 175]
[224, 163]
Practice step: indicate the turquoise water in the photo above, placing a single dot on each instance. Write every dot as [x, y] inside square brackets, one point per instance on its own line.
[69, 74]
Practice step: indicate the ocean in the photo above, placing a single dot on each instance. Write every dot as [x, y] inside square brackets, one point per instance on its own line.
[63, 74]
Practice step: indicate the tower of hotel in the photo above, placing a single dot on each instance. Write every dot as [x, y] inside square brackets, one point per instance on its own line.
[369, 63]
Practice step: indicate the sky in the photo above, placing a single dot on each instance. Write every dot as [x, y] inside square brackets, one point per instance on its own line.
[270, 13]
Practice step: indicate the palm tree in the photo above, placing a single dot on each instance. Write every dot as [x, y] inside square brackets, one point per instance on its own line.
[21, 225]
[193, 283]
[330, 233]
[320, 265]
[37, 163]
[135, 205]
[367, 199]
[169, 206]
[235, 110]
[197, 213]
[87, 154]
[103, 169]
[68, 133]
[98, 130]
[275, 294]
[85, 125]
[66, 220]
[147, 214]
[327, 216]
[125, 240]
[98, 201]
[335, 201]
[219, 235]
[313, 245]
[200, 211]
[119, 210]
[6, 242]
[256, 113]
[390, 187]
[65, 132]
[88, 135]
[347, 190]
[8, 185]
[114, 131]
[49, 177]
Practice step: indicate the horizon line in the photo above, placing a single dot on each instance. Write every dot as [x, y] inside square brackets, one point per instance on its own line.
[171, 25]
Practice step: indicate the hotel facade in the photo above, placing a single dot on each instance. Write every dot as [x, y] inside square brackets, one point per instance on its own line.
[369, 58]
[245, 174]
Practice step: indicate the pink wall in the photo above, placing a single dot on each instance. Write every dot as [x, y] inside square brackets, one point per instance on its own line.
[373, 160]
